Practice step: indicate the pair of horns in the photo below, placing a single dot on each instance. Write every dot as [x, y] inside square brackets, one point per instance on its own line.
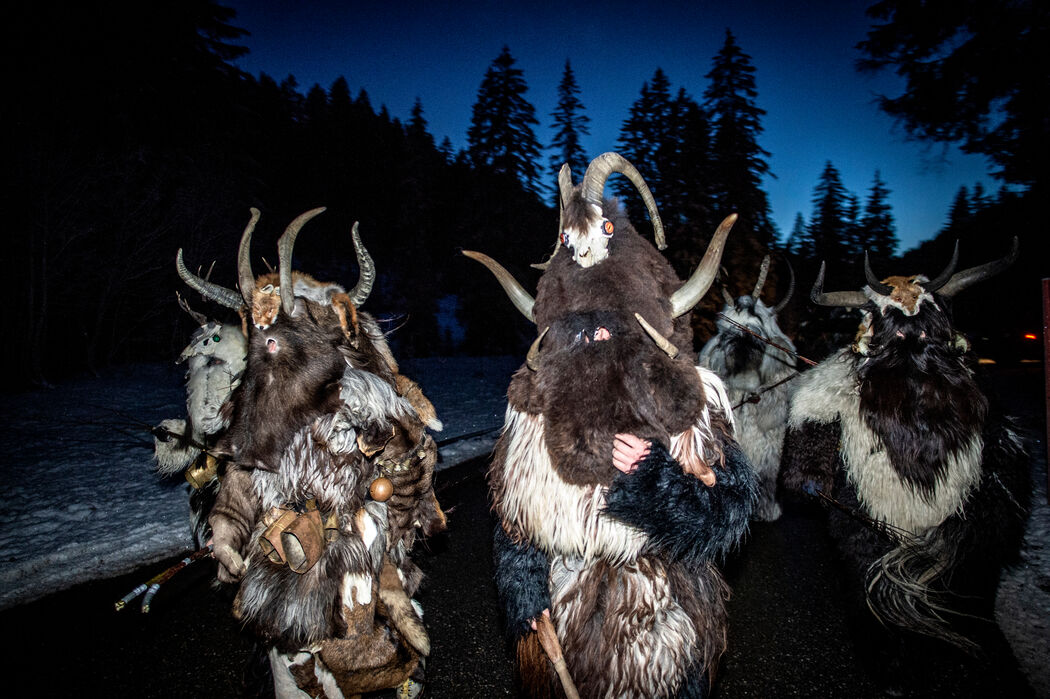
[246, 280]
[762, 273]
[682, 301]
[948, 282]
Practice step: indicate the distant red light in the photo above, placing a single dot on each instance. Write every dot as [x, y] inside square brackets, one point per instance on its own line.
[1029, 336]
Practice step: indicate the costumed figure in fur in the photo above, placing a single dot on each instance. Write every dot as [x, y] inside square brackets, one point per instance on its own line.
[619, 557]
[215, 359]
[330, 482]
[756, 362]
[928, 483]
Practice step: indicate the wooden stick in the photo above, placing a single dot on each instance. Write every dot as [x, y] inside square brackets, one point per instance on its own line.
[549, 640]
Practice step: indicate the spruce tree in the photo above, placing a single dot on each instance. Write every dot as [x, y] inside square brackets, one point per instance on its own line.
[643, 133]
[826, 239]
[736, 120]
[794, 242]
[501, 136]
[878, 235]
[570, 124]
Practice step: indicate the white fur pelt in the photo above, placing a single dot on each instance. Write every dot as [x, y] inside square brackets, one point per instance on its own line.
[830, 392]
[633, 623]
[751, 368]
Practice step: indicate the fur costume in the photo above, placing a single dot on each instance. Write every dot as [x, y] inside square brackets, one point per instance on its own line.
[624, 562]
[896, 429]
[322, 560]
[758, 380]
[215, 360]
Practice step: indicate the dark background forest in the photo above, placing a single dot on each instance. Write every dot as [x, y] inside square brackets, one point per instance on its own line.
[130, 134]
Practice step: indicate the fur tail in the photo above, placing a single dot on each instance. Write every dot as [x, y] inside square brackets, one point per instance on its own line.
[400, 611]
[905, 588]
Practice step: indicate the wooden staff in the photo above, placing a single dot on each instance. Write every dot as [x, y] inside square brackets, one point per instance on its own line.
[549, 640]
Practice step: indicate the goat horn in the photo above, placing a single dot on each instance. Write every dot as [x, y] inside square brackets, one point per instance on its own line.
[690, 293]
[791, 289]
[198, 318]
[661, 341]
[873, 281]
[532, 359]
[963, 279]
[838, 299]
[245, 278]
[209, 290]
[284, 257]
[521, 299]
[598, 172]
[367, 276]
[565, 191]
[762, 272]
[944, 277]
[730, 301]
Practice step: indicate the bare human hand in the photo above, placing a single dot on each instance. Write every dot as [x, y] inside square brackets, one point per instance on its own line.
[628, 450]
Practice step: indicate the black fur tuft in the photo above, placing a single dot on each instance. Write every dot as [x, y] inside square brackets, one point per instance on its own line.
[682, 516]
[521, 580]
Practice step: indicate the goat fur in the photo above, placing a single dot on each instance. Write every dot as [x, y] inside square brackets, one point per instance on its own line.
[897, 429]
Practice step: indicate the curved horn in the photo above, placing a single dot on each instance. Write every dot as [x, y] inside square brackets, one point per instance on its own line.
[661, 341]
[367, 276]
[284, 257]
[690, 293]
[946, 275]
[598, 172]
[565, 185]
[963, 279]
[565, 191]
[245, 278]
[730, 301]
[762, 272]
[873, 281]
[791, 289]
[532, 359]
[521, 299]
[209, 290]
[837, 299]
[198, 318]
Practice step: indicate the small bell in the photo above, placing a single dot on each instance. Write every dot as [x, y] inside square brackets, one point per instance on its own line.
[381, 489]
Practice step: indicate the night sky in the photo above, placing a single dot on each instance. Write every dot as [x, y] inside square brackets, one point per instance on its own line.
[818, 106]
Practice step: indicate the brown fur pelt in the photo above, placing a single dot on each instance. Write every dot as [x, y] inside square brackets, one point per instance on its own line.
[678, 614]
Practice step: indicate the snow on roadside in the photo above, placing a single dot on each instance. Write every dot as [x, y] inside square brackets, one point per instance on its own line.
[82, 500]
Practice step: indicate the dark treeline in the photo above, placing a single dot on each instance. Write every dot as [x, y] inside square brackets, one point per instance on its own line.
[131, 133]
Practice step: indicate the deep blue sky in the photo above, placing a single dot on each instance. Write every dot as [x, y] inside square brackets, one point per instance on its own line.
[818, 107]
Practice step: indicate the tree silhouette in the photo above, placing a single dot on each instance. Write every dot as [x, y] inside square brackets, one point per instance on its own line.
[642, 135]
[877, 232]
[826, 237]
[501, 137]
[730, 101]
[975, 74]
[570, 124]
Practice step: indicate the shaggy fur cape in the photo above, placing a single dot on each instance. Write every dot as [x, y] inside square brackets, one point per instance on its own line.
[623, 562]
[900, 433]
[321, 418]
[747, 365]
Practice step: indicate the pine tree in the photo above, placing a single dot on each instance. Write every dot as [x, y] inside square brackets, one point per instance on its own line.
[793, 243]
[501, 137]
[825, 239]
[961, 212]
[736, 119]
[878, 235]
[570, 124]
[643, 133]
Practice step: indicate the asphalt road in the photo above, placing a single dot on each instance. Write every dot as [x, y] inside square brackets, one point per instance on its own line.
[788, 632]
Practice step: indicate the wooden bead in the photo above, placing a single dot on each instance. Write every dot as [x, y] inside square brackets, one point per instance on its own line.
[381, 489]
